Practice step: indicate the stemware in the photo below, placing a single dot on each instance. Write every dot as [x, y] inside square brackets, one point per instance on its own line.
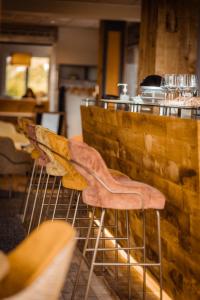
[170, 83]
[193, 84]
[182, 84]
[164, 87]
[187, 85]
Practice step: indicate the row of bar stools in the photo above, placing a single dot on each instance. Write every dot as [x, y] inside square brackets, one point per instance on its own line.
[106, 193]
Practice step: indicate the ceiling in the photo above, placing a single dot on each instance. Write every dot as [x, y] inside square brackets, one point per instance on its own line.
[47, 19]
[64, 13]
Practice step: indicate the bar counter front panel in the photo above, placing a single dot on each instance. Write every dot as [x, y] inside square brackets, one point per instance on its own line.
[163, 152]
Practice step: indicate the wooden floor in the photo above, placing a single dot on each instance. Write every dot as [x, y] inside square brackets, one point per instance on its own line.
[104, 285]
[99, 289]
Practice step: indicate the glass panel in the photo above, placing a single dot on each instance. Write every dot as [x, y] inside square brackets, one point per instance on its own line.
[38, 76]
[15, 80]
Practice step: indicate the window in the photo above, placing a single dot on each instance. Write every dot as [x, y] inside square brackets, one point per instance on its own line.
[18, 78]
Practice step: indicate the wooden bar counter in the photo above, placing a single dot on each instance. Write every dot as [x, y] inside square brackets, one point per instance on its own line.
[165, 153]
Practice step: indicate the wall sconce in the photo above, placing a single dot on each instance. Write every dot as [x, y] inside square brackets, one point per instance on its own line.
[22, 59]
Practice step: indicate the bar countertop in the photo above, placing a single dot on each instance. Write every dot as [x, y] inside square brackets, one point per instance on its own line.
[164, 152]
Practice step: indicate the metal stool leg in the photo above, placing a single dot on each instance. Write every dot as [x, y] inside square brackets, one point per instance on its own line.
[84, 253]
[56, 203]
[95, 253]
[128, 252]
[50, 197]
[76, 208]
[69, 205]
[28, 193]
[103, 252]
[144, 254]
[35, 200]
[116, 251]
[159, 252]
[43, 200]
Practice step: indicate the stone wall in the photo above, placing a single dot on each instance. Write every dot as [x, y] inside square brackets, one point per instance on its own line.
[163, 152]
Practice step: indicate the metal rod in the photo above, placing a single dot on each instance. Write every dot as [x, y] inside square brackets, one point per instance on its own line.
[103, 246]
[84, 254]
[159, 252]
[75, 213]
[94, 254]
[114, 249]
[52, 191]
[109, 238]
[43, 199]
[35, 199]
[116, 252]
[144, 254]
[126, 264]
[57, 197]
[128, 254]
[29, 191]
[69, 205]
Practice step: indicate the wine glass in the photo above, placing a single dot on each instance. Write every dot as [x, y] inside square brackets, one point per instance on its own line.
[182, 84]
[193, 84]
[171, 84]
[187, 85]
[164, 88]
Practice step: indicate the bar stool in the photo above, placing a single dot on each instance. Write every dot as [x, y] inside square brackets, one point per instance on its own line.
[105, 192]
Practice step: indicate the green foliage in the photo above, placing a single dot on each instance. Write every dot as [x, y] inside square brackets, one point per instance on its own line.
[15, 82]
[37, 78]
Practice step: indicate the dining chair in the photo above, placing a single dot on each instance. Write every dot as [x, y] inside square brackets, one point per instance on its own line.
[38, 266]
[13, 162]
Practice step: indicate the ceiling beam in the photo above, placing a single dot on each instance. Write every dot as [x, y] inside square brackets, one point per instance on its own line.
[76, 9]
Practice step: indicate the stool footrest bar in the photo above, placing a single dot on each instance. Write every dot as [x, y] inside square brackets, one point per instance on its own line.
[128, 264]
[115, 249]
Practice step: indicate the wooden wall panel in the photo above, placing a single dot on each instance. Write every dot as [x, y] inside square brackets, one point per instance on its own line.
[111, 56]
[113, 62]
[168, 37]
[147, 43]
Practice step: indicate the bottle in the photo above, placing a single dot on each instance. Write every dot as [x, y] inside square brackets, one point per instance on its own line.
[123, 95]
